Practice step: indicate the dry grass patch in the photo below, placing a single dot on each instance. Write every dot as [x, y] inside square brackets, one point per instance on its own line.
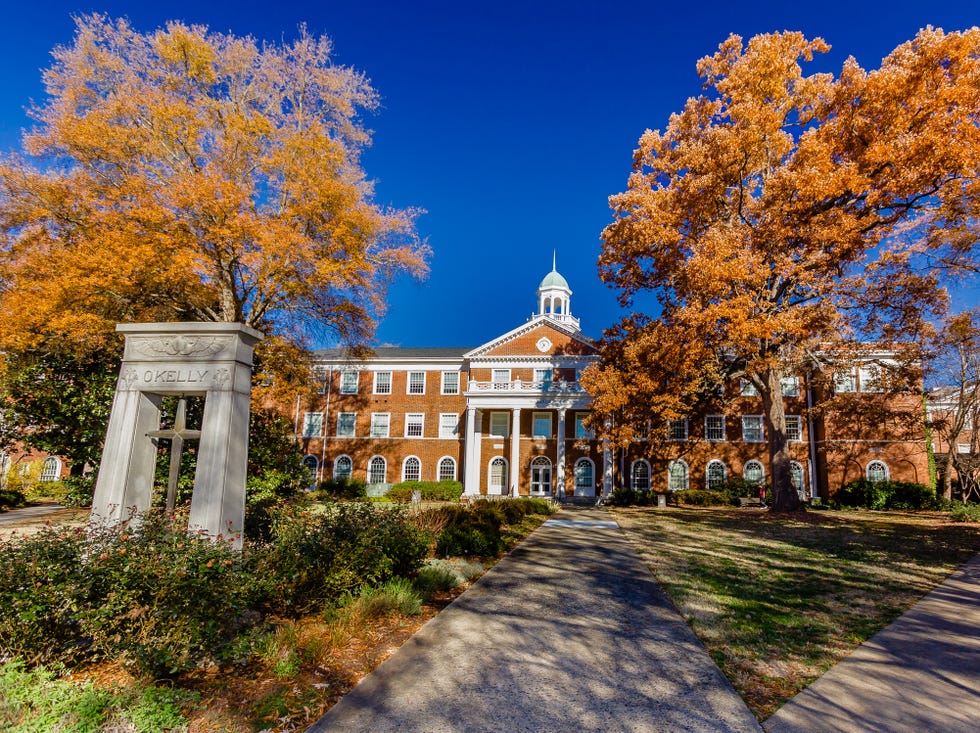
[778, 600]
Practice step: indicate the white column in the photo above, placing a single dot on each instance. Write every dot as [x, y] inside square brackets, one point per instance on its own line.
[607, 468]
[471, 452]
[560, 472]
[515, 451]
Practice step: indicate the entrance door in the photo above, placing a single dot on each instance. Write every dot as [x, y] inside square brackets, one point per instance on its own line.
[584, 477]
[497, 478]
[541, 477]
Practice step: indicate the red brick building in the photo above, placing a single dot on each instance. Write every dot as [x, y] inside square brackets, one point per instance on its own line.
[507, 417]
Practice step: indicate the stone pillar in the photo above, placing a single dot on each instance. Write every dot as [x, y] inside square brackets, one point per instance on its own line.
[515, 452]
[560, 470]
[471, 482]
[210, 360]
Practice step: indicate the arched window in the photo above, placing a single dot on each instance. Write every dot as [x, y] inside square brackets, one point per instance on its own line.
[497, 475]
[312, 463]
[640, 475]
[715, 474]
[541, 476]
[877, 471]
[411, 469]
[447, 469]
[796, 475]
[754, 473]
[377, 470]
[343, 467]
[584, 477]
[51, 471]
[677, 475]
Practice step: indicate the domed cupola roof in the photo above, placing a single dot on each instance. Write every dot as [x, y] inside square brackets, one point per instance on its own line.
[553, 280]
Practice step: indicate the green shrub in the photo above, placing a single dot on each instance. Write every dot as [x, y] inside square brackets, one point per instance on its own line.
[397, 595]
[437, 575]
[699, 497]
[156, 599]
[341, 488]
[867, 494]
[737, 488]
[429, 490]
[473, 530]
[622, 496]
[11, 499]
[965, 513]
[78, 491]
[539, 506]
[264, 495]
[33, 701]
[314, 558]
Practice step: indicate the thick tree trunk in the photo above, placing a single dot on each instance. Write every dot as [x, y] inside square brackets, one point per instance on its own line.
[784, 495]
[948, 479]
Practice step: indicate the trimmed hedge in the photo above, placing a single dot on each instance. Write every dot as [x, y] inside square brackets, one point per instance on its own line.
[700, 497]
[341, 488]
[431, 491]
[11, 499]
[866, 494]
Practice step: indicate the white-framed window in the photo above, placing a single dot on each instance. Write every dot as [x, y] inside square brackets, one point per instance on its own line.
[877, 471]
[412, 469]
[584, 476]
[869, 376]
[414, 424]
[450, 383]
[794, 428]
[497, 475]
[51, 470]
[747, 388]
[796, 477]
[844, 381]
[790, 386]
[416, 383]
[677, 475]
[349, 381]
[321, 378]
[498, 424]
[752, 429]
[447, 469]
[380, 423]
[541, 476]
[714, 427]
[754, 473]
[677, 429]
[582, 431]
[640, 475]
[377, 470]
[715, 474]
[962, 447]
[312, 424]
[312, 463]
[343, 467]
[501, 378]
[448, 425]
[544, 377]
[382, 382]
[541, 427]
[345, 424]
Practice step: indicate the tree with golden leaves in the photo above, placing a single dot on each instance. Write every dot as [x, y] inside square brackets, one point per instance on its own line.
[189, 175]
[782, 216]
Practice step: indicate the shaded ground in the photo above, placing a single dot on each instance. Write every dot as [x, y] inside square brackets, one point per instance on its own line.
[779, 600]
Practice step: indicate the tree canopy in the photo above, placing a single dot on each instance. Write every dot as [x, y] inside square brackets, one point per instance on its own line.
[184, 174]
[782, 215]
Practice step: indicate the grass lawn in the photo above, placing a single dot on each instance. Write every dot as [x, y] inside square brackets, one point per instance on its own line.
[778, 600]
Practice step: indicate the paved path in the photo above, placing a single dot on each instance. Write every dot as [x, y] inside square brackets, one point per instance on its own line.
[919, 675]
[28, 512]
[567, 633]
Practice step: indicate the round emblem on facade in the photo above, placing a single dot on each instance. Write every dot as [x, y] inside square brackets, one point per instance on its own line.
[543, 344]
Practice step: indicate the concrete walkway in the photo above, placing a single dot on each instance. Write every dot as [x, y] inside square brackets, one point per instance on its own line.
[28, 512]
[567, 633]
[919, 675]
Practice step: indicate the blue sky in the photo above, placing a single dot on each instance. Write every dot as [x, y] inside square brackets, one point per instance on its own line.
[510, 123]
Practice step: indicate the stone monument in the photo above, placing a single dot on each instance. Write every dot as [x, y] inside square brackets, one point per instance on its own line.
[209, 360]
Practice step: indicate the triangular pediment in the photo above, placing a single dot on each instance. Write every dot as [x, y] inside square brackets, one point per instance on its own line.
[540, 336]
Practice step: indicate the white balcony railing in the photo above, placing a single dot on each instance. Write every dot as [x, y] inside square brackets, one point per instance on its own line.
[552, 387]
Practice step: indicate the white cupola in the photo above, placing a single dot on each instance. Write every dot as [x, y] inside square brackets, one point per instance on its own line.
[555, 298]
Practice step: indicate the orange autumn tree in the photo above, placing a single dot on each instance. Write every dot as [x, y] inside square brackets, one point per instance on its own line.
[781, 218]
[189, 175]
